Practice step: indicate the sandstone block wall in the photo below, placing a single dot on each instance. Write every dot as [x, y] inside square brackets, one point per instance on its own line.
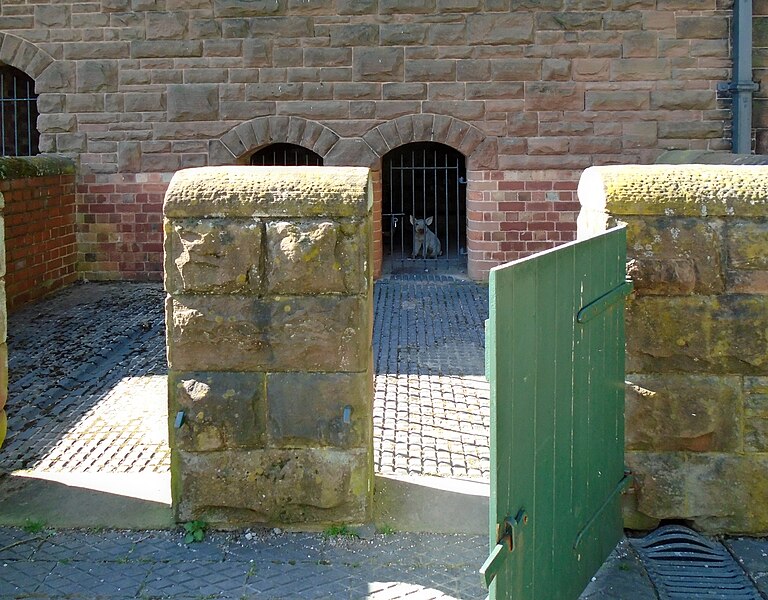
[269, 327]
[697, 338]
[530, 91]
[40, 223]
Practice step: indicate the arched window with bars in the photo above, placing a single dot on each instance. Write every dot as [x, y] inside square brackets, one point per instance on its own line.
[286, 155]
[18, 114]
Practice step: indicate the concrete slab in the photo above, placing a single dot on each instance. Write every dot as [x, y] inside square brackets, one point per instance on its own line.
[431, 504]
[86, 500]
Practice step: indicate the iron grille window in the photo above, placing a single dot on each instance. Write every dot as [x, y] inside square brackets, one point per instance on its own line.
[286, 155]
[18, 114]
[424, 180]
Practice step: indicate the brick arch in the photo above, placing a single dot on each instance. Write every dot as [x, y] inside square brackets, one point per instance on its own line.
[457, 134]
[242, 140]
[24, 56]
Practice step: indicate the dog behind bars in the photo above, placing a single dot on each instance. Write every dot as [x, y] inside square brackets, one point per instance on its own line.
[424, 239]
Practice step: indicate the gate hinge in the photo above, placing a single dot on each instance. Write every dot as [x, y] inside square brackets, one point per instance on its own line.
[504, 546]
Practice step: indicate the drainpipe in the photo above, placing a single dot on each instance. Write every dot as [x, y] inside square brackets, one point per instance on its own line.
[742, 86]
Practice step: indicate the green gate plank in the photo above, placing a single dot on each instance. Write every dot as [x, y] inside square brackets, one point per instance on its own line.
[556, 415]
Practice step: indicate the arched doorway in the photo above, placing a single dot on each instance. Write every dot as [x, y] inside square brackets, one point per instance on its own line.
[424, 182]
[286, 155]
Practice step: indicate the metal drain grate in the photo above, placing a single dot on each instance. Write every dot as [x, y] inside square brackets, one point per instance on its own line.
[685, 565]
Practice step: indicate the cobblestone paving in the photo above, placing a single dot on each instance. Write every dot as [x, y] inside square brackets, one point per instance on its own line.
[87, 385]
[431, 411]
[265, 564]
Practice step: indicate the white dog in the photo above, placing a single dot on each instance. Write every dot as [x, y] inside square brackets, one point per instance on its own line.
[424, 239]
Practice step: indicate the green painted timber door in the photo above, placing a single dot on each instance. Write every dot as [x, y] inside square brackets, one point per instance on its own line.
[555, 362]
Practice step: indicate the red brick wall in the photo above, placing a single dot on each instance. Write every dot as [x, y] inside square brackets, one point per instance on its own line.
[120, 226]
[513, 214]
[40, 238]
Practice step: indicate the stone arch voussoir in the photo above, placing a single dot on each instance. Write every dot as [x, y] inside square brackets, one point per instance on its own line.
[457, 134]
[24, 55]
[244, 139]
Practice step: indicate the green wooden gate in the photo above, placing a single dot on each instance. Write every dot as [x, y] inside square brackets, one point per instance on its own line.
[555, 362]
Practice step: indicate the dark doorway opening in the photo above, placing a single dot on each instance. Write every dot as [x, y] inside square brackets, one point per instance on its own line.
[427, 181]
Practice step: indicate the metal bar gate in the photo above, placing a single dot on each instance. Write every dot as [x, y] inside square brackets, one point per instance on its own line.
[424, 181]
[555, 361]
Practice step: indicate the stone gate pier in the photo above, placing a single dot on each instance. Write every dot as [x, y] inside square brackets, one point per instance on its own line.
[269, 324]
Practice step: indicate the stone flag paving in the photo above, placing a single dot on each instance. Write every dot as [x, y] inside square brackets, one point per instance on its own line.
[270, 564]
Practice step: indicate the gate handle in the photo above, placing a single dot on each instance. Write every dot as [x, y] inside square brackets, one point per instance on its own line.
[504, 547]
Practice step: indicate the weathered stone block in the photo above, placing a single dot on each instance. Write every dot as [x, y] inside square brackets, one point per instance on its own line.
[697, 413]
[319, 409]
[691, 130]
[166, 25]
[303, 257]
[403, 34]
[717, 493]
[193, 102]
[56, 123]
[166, 49]
[234, 333]
[697, 334]
[640, 44]
[378, 64]
[516, 69]
[512, 28]
[705, 28]
[51, 15]
[554, 96]
[640, 69]
[388, 7]
[272, 486]
[247, 8]
[676, 255]
[221, 410]
[268, 191]
[59, 76]
[356, 34]
[569, 21]
[356, 7]
[281, 27]
[683, 100]
[129, 157]
[746, 244]
[96, 76]
[213, 255]
[598, 100]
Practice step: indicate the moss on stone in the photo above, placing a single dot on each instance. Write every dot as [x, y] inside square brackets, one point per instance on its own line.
[13, 167]
[676, 190]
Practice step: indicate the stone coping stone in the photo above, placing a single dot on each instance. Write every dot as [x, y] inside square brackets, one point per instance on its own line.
[19, 167]
[676, 190]
[245, 191]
